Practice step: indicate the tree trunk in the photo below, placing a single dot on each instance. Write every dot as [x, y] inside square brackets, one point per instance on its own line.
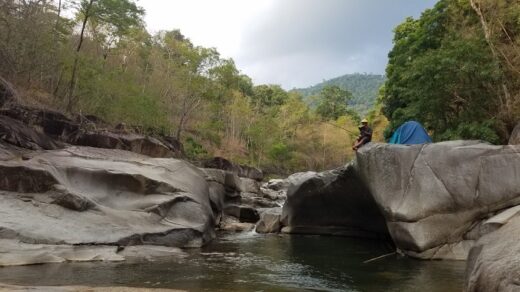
[475, 4]
[180, 127]
[72, 85]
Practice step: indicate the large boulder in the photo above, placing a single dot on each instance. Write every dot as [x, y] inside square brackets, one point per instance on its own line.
[434, 196]
[494, 261]
[333, 202]
[515, 136]
[89, 196]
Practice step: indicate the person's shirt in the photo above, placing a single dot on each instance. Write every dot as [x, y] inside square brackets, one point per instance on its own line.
[366, 134]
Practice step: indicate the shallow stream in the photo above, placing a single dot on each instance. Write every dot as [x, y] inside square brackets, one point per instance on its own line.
[253, 262]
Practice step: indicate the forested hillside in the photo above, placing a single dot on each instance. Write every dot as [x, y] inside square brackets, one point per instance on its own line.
[456, 69]
[364, 89]
[96, 57]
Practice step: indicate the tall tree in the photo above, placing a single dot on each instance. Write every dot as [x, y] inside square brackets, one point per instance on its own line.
[114, 17]
[333, 102]
[443, 74]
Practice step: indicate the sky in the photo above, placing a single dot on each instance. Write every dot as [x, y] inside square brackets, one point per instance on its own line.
[293, 43]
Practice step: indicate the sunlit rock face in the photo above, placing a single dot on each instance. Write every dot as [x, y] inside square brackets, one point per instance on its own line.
[435, 196]
[494, 261]
[99, 197]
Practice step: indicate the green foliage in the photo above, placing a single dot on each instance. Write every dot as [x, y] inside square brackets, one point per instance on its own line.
[268, 95]
[442, 76]
[364, 88]
[194, 150]
[473, 131]
[165, 84]
[280, 152]
[111, 19]
[333, 102]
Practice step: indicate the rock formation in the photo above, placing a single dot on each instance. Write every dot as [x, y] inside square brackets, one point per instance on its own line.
[422, 189]
[333, 202]
[57, 201]
[494, 261]
[433, 197]
[237, 201]
[35, 128]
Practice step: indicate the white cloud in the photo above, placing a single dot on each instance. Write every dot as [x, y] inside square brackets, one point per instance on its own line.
[209, 23]
[295, 43]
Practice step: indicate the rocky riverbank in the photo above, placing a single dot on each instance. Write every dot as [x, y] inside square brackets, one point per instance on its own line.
[435, 201]
[76, 189]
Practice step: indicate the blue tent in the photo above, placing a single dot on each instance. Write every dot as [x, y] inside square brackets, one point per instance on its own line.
[410, 133]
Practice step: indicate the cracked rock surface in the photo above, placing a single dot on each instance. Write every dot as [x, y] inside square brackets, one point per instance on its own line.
[433, 195]
[433, 200]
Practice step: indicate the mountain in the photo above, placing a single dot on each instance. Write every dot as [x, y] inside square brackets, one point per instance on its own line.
[364, 88]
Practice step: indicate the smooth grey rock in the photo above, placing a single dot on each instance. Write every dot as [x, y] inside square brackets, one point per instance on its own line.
[332, 202]
[232, 224]
[257, 202]
[269, 222]
[248, 185]
[82, 195]
[16, 253]
[217, 194]
[432, 195]
[494, 261]
[276, 184]
[273, 195]
[276, 189]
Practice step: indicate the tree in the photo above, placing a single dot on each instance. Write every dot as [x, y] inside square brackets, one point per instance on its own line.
[333, 102]
[114, 18]
[268, 96]
[443, 74]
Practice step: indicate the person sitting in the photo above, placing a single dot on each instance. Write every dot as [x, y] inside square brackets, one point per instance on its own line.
[365, 135]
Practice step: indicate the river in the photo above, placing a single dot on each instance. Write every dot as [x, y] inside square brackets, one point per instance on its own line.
[253, 262]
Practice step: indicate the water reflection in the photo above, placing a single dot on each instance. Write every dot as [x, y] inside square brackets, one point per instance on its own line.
[251, 262]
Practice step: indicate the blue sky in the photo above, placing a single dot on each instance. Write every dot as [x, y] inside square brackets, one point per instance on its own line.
[294, 43]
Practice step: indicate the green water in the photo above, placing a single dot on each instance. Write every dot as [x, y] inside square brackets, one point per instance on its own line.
[252, 262]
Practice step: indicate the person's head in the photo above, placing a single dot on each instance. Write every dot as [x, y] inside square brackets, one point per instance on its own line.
[364, 123]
